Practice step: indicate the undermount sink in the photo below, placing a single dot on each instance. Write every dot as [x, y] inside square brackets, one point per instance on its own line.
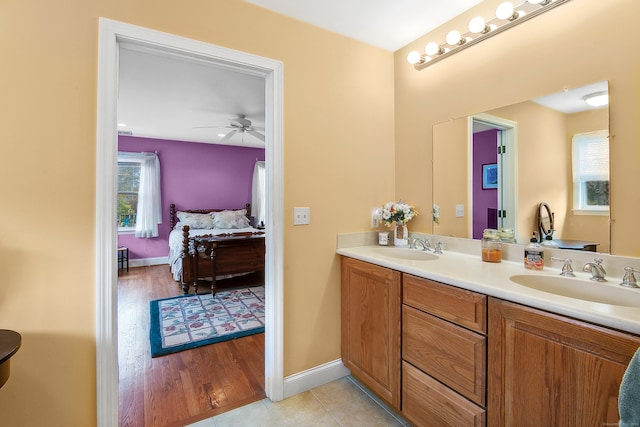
[580, 289]
[406, 254]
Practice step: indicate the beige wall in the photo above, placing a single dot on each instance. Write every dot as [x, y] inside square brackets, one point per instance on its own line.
[573, 45]
[451, 173]
[339, 160]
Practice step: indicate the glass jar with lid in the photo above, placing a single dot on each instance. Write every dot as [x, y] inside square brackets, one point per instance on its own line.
[491, 245]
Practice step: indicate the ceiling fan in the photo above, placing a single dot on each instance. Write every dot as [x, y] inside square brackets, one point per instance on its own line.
[239, 124]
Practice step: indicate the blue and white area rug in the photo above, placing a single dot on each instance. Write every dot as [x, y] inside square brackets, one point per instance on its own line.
[190, 321]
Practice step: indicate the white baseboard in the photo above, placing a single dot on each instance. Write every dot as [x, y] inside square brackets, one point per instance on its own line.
[314, 377]
[145, 262]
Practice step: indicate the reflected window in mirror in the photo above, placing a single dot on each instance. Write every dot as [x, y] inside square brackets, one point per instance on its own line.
[591, 173]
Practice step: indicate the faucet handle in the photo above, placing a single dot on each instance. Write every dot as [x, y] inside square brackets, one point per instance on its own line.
[629, 279]
[598, 262]
[438, 248]
[567, 269]
[412, 242]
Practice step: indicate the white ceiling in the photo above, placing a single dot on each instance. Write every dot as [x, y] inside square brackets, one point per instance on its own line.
[161, 95]
[571, 101]
[389, 24]
[168, 96]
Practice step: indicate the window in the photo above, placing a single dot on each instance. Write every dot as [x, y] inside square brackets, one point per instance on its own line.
[139, 194]
[128, 185]
[591, 173]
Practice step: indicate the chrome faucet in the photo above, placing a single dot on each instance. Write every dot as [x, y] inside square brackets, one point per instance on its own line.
[567, 269]
[596, 269]
[426, 246]
[438, 248]
[629, 279]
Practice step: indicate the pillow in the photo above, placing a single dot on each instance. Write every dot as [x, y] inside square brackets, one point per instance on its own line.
[230, 219]
[195, 221]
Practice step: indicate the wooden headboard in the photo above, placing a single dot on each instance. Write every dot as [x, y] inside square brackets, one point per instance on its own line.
[173, 218]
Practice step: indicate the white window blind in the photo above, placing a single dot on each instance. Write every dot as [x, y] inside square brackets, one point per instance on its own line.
[591, 171]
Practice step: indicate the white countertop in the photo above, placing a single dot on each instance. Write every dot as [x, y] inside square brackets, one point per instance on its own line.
[470, 272]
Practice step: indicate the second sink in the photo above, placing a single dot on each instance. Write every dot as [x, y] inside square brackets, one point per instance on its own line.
[580, 289]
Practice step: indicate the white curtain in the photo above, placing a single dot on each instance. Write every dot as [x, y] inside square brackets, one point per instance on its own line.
[149, 213]
[258, 197]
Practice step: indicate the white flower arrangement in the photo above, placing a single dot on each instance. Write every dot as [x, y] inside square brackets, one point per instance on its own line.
[436, 213]
[397, 213]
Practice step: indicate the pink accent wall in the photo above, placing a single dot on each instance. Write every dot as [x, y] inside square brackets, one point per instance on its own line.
[485, 151]
[193, 176]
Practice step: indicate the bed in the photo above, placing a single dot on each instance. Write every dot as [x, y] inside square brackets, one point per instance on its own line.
[210, 245]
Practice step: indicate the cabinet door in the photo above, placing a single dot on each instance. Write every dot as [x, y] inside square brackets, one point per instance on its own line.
[549, 370]
[371, 327]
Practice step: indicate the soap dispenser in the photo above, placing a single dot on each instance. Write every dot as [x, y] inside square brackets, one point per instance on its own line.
[534, 254]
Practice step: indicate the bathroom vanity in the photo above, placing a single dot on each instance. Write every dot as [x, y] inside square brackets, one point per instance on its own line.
[452, 341]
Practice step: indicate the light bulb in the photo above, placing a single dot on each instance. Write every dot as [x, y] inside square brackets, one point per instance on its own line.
[504, 11]
[453, 38]
[432, 48]
[413, 57]
[478, 25]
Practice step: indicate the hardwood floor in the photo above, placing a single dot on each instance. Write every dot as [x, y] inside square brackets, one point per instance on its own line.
[184, 387]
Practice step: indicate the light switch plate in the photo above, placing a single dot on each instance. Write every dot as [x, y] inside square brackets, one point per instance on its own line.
[375, 218]
[459, 211]
[301, 216]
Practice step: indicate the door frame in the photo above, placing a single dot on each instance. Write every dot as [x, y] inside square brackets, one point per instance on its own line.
[507, 168]
[111, 33]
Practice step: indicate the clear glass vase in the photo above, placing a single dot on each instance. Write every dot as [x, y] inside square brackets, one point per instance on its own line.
[401, 235]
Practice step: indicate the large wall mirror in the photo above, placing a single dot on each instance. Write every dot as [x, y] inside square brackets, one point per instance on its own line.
[494, 169]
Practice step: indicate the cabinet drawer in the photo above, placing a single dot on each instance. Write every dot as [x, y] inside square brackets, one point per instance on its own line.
[426, 402]
[465, 308]
[452, 354]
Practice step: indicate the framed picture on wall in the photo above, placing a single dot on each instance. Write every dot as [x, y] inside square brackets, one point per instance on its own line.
[489, 176]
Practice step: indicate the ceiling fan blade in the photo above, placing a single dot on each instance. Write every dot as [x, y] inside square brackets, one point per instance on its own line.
[228, 136]
[208, 127]
[256, 134]
[257, 128]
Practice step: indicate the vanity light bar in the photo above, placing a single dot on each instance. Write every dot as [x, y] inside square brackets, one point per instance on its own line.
[507, 16]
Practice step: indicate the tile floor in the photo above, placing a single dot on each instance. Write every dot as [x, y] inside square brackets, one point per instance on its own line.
[343, 402]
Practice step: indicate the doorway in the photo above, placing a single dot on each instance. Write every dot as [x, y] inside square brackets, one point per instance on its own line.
[493, 188]
[113, 33]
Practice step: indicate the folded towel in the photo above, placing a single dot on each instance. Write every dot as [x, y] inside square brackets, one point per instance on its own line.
[629, 397]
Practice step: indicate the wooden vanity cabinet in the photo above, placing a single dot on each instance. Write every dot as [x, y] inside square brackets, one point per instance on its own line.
[370, 310]
[472, 360]
[444, 354]
[549, 370]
